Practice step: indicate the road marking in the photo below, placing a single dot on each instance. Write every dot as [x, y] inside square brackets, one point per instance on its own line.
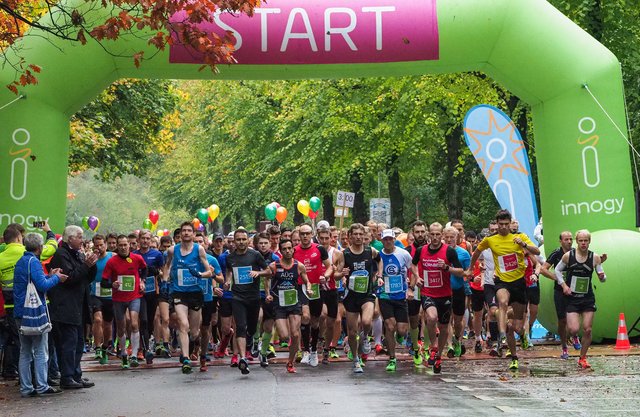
[505, 408]
[464, 388]
[447, 380]
[484, 398]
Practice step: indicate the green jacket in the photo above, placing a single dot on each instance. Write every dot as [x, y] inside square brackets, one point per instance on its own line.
[13, 252]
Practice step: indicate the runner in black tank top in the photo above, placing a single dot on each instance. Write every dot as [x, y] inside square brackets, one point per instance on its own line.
[283, 292]
[580, 299]
[359, 281]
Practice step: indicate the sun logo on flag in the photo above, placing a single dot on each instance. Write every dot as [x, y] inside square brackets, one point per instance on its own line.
[497, 145]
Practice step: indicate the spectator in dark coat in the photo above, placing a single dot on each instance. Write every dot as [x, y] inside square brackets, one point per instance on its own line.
[67, 306]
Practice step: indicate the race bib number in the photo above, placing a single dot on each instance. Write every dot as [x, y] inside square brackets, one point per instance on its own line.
[508, 263]
[102, 292]
[287, 298]
[579, 285]
[241, 274]
[432, 279]
[393, 284]
[316, 291]
[185, 279]
[127, 283]
[150, 284]
[359, 282]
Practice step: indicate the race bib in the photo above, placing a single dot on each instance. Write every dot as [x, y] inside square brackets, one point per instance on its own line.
[579, 285]
[150, 284]
[359, 282]
[416, 293]
[102, 292]
[316, 291]
[261, 285]
[432, 279]
[393, 284]
[241, 274]
[508, 263]
[127, 283]
[287, 298]
[339, 284]
[185, 279]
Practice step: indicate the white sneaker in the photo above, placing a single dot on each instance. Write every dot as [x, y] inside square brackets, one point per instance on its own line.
[366, 345]
[305, 357]
[357, 368]
[313, 359]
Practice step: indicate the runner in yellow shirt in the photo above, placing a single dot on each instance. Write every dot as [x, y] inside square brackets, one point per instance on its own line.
[508, 254]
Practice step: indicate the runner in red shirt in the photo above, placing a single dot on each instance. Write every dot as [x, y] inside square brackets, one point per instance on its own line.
[125, 273]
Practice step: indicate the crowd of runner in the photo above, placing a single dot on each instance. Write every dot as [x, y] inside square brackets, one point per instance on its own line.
[323, 292]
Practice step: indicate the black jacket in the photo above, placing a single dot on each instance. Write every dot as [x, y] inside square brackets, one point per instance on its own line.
[68, 299]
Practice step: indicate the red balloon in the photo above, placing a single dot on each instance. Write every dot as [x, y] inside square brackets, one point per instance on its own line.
[275, 203]
[313, 214]
[154, 216]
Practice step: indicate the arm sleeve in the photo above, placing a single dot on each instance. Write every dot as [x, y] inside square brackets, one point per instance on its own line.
[40, 280]
[416, 256]
[452, 256]
[323, 253]
[106, 276]
[558, 270]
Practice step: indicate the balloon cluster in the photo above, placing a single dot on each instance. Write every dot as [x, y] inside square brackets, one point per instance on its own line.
[309, 208]
[164, 232]
[203, 216]
[151, 223]
[91, 223]
[274, 211]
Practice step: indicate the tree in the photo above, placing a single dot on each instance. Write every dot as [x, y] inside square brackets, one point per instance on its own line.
[164, 22]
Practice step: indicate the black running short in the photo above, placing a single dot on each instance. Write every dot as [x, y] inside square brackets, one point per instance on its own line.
[533, 295]
[224, 306]
[459, 302]
[560, 302]
[209, 309]
[490, 295]
[517, 290]
[414, 307]
[105, 305]
[477, 300]
[193, 300]
[268, 310]
[580, 304]
[353, 302]
[330, 299]
[394, 309]
[442, 304]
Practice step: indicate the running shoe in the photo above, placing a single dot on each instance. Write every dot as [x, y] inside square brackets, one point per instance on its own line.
[148, 357]
[495, 351]
[507, 353]
[451, 352]
[254, 351]
[271, 352]
[264, 362]
[565, 353]
[159, 350]
[391, 366]
[290, 368]
[193, 357]
[478, 347]
[203, 365]
[582, 362]
[186, 366]
[437, 365]
[458, 348]
[513, 366]
[285, 344]
[465, 334]
[350, 355]
[325, 357]
[140, 355]
[104, 359]
[313, 359]
[524, 340]
[218, 355]
[379, 349]
[133, 361]
[166, 352]
[234, 361]
[98, 354]
[306, 356]
[433, 352]
[299, 356]
[243, 365]
[576, 342]
[125, 362]
[364, 358]
[417, 359]
[333, 354]
[357, 367]
[366, 345]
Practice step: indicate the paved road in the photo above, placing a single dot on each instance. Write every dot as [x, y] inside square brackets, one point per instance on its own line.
[548, 387]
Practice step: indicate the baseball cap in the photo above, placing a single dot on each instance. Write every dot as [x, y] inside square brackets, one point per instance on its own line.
[388, 233]
[323, 224]
[230, 236]
[217, 236]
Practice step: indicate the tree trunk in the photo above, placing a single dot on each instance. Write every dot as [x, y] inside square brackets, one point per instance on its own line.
[395, 195]
[359, 209]
[327, 208]
[258, 215]
[454, 182]
[226, 225]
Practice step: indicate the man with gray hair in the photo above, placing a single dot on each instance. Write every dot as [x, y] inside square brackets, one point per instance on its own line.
[33, 349]
[67, 307]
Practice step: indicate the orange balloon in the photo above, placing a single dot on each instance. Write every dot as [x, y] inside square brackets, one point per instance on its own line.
[196, 224]
[281, 214]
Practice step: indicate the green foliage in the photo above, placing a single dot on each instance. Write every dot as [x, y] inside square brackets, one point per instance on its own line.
[123, 129]
[121, 205]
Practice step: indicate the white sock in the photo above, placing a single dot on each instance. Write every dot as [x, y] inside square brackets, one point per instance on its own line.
[465, 320]
[377, 331]
[135, 342]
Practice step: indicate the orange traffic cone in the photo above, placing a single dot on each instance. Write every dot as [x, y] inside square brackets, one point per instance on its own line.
[622, 342]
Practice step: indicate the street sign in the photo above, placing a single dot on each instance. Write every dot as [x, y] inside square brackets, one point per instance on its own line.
[380, 210]
[341, 211]
[345, 199]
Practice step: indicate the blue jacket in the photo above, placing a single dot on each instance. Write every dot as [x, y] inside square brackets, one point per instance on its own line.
[42, 282]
